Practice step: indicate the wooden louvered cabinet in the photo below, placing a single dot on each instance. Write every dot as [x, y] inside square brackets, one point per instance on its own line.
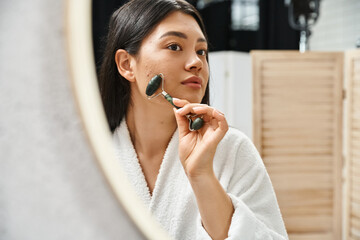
[352, 202]
[297, 116]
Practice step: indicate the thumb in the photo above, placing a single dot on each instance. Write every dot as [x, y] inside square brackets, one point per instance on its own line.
[183, 124]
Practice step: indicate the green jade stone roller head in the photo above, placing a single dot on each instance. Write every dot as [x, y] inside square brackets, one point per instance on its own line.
[154, 85]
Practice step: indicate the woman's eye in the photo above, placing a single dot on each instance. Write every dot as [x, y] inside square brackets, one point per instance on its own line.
[174, 47]
[202, 52]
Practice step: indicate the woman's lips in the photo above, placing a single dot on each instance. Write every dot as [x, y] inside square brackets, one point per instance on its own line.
[193, 82]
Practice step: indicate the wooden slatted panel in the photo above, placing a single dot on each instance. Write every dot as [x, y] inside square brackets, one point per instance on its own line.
[353, 145]
[298, 132]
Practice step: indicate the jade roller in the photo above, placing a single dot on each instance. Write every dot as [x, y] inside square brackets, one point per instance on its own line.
[154, 85]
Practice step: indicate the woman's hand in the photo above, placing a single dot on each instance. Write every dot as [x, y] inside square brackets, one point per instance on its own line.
[197, 148]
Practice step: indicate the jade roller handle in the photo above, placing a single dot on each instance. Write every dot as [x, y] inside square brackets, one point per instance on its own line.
[153, 86]
[170, 100]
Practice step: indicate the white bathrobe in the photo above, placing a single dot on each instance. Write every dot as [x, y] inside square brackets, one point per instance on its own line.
[240, 171]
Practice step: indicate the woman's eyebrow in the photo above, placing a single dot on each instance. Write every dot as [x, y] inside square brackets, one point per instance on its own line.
[180, 35]
[174, 33]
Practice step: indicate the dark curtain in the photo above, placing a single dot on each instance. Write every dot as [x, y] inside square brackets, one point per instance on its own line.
[217, 20]
[275, 31]
[101, 12]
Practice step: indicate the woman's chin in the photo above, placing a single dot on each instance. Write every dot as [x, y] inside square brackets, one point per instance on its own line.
[190, 97]
[193, 99]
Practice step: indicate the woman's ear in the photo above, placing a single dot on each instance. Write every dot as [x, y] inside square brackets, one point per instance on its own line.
[124, 64]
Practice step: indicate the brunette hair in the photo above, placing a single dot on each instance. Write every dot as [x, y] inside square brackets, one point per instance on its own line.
[128, 26]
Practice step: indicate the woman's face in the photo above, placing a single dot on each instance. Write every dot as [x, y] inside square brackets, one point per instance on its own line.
[176, 48]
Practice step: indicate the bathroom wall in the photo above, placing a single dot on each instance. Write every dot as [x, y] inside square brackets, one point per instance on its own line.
[338, 27]
[50, 184]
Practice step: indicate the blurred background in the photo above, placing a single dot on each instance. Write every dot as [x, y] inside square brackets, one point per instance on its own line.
[244, 25]
[236, 27]
[285, 72]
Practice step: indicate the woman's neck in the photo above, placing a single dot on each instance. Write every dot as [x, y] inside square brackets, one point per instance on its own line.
[150, 127]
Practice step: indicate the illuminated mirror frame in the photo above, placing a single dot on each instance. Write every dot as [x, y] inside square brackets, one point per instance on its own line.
[84, 83]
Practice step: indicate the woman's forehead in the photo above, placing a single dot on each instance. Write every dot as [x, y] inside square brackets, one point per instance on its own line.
[180, 24]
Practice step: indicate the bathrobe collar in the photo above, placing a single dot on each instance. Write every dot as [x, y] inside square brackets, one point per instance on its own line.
[169, 168]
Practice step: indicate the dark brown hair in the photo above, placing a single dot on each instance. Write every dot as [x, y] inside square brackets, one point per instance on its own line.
[129, 25]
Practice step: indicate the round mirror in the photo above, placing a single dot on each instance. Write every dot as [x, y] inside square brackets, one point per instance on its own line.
[85, 87]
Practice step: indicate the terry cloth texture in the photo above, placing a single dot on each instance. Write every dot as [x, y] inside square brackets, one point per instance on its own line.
[240, 171]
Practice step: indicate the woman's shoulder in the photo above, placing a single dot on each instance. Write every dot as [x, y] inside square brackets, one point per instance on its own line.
[235, 136]
[236, 143]
[236, 154]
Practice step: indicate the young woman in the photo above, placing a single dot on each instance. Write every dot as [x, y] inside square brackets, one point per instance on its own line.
[209, 183]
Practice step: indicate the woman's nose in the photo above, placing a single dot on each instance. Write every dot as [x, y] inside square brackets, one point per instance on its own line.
[194, 63]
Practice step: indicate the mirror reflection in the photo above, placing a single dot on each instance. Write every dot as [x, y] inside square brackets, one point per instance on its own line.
[211, 182]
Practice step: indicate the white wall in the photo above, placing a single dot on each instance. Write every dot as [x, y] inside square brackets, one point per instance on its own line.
[338, 27]
[231, 88]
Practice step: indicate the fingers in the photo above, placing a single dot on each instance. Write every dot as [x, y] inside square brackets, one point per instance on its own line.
[216, 118]
[211, 116]
[194, 108]
[180, 102]
[223, 125]
[183, 124]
